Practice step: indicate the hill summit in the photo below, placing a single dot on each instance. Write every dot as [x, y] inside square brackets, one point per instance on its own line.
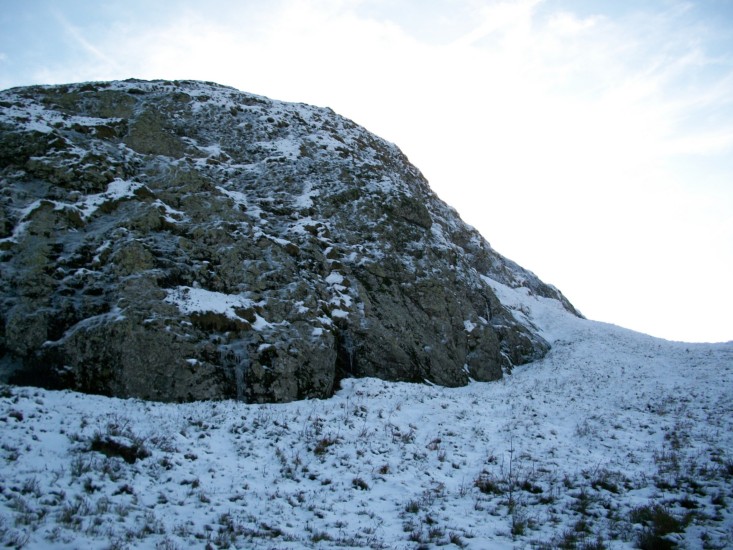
[184, 240]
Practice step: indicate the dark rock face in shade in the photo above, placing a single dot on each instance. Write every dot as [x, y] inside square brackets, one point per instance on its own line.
[184, 240]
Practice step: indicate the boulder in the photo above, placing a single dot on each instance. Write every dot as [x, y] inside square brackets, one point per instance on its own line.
[183, 240]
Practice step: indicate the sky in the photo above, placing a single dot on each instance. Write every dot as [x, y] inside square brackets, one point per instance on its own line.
[589, 141]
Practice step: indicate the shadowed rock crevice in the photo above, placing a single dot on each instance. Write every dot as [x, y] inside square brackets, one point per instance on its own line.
[184, 240]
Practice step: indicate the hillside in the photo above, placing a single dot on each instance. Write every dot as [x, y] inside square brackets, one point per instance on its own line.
[183, 240]
[613, 440]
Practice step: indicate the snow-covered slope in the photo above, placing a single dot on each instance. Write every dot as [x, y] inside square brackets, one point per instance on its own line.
[613, 440]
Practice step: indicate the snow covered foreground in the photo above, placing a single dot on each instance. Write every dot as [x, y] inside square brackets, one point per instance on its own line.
[614, 440]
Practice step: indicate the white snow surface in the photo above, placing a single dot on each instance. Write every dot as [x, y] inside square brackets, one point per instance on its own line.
[116, 190]
[193, 300]
[198, 300]
[564, 452]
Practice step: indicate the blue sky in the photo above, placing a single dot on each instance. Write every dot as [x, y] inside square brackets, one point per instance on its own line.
[592, 142]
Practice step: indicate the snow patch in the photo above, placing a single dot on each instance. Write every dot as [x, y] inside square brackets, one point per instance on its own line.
[198, 300]
[116, 190]
[335, 278]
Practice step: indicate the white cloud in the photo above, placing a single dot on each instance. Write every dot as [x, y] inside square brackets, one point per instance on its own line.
[78, 37]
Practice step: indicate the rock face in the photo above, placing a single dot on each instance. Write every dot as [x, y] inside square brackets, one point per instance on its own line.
[184, 240]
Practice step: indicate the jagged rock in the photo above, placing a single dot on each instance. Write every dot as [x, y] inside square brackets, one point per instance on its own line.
[184, 240]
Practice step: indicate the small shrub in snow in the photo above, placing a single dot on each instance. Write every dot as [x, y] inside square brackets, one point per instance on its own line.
[151, 526]
[456, 539]
[582, 526]
[571, 539]
[415, 536]
[596, 544]
[359, 483]
[113, 469]
[519, 525]
[488, 484]
[657, 522]
[166, 544]
[31, 486]
[17, 538]
[718, 499]
[74, 512]
[102, 506]
[80, 465]
[688, 502]
[323, 444]
[319, 536]
[609, 481]
[586, 429]
[530, 487]
[89, 485]
[124, 489]
[11, 453]
[128, 450]
[435, 533]
[412, 507]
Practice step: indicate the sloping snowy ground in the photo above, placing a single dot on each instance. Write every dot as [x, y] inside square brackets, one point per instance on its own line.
[615, 440]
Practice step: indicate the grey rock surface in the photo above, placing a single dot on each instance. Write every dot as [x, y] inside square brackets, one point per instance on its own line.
[183, 240]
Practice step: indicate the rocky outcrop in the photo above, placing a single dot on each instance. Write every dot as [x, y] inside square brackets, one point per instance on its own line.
[184, 240]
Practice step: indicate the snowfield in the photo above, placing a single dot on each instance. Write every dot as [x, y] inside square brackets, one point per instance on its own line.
[614, 440]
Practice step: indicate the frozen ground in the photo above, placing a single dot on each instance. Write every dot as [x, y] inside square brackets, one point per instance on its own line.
[614, 440]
